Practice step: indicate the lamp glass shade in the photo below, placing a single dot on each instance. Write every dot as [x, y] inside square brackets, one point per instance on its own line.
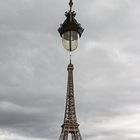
[70, 40]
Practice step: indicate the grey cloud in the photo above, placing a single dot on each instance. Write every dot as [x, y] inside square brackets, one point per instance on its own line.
[33, 73]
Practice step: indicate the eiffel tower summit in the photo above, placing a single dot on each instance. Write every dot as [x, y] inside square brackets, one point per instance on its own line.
[70, 31]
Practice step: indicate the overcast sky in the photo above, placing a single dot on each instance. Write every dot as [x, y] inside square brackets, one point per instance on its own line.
[33, 69]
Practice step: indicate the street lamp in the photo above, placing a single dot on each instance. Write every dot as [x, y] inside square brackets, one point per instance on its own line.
[70, 30]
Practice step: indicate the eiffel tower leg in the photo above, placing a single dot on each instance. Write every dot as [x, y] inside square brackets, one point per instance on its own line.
[79, 136]
[63, 135]
[76, 136]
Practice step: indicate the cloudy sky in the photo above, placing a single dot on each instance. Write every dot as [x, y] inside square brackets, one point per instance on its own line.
[33, 73]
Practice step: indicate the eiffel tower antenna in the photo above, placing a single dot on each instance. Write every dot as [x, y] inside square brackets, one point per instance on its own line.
[70, 59]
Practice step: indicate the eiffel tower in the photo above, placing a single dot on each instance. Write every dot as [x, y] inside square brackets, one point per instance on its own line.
[70, 125]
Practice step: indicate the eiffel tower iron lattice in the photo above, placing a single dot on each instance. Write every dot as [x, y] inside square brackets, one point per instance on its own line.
[70, 125]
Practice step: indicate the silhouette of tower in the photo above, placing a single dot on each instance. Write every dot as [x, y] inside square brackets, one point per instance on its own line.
[70, 125]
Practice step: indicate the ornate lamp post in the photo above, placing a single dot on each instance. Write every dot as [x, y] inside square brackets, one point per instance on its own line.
[70, 30]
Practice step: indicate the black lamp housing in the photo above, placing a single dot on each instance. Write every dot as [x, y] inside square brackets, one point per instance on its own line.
[70, 30]
[70, 24]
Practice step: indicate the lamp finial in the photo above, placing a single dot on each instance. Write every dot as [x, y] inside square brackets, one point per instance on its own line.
[70, 4]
